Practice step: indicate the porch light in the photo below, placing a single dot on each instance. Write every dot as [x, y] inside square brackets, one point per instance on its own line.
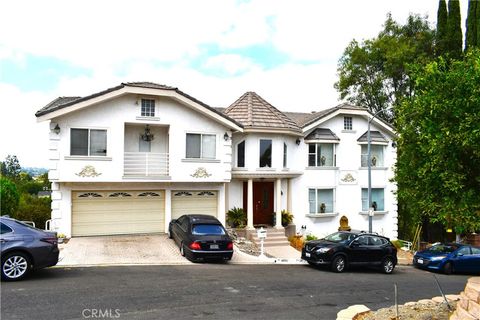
[226, 136]
[297, 141]
[56, 129]
[147, 135]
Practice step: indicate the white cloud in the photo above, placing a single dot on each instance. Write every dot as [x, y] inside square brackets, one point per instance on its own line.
[231, 64]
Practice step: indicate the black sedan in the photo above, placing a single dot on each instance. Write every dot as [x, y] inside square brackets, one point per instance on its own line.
[342, 249]
[25, 248]
[201, 237]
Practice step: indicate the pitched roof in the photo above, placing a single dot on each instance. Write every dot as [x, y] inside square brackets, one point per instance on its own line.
[255, 113]
[63, 102]
[322, 134]
[375, 136]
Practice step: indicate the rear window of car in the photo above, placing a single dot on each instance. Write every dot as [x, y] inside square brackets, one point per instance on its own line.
[4, 229]
[207, 229]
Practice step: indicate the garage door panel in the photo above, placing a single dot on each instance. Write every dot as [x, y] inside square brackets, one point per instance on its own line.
[194, 202]
[123, 212]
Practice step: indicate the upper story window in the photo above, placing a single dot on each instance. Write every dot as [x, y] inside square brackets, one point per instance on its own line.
[241, 154]
[265, 153]
[376, 155]
[321, 201]
[88, 142]
[321, 154]
[284, 155]
[201, 146]
[378, 199]
[347, 123]
[148, 108]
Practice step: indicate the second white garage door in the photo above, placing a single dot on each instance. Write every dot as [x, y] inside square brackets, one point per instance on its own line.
[117, 212]
[194, 202]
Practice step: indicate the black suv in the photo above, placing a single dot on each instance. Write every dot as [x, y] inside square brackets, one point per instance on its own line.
[343, 249]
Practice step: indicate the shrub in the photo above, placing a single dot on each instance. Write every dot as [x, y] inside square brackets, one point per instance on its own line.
[236, 217]
[311, 237]
[9, 197]
[287, 218]
[34, 209]
[297, 242]
[397, 243]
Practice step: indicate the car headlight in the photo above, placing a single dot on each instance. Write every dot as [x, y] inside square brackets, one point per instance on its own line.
[437, 258]
[322, 250]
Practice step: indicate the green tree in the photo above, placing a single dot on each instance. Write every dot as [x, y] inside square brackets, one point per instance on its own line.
[454, 30]
[32, 208]
[375, 72]
[471, 25]
[11, 167]
[438, 164]
[441, 35]
[9, 197]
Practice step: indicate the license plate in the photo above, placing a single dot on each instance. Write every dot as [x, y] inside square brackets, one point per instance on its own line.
[307, 254]
[420, 261]
[214, 246]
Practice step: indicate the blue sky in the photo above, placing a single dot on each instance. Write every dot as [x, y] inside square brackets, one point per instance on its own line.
[287, 51]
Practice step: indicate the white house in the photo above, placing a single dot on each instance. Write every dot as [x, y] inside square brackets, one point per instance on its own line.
[131, 158]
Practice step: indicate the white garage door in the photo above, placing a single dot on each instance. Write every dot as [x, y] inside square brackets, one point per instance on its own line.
[194, 202]
[117, 212]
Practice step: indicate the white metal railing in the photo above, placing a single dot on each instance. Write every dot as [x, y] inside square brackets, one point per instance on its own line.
[48, 225]
[145, 164]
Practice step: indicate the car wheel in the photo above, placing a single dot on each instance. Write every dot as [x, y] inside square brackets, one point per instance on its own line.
[15, 266]
[182, 250]
[448, 268]
[311, 263]
[388, 265]
[339, 264]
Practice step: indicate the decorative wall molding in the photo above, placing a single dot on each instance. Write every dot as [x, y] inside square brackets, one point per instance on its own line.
[88, 171]
[348, 177]
[201, 172]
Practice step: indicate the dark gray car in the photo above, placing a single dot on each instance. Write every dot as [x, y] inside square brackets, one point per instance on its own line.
[25, 248]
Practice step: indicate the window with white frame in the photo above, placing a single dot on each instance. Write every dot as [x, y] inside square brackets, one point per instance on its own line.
[265, 153]
[321, 154]
[347, 123]
[376, 155]
[321, 201]
[148, 108]
[378, 199]
[200, 146]
[284, 155]
[88, 142]
[241, 154]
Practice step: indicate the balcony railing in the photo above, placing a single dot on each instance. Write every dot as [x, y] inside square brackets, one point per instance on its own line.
[145, 164]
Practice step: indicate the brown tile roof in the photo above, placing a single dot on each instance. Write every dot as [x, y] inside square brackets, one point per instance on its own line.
[63, 102]
[322, 134]
[375, 136]
[255, 113]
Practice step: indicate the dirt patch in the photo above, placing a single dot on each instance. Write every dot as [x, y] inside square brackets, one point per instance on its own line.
[414, 311]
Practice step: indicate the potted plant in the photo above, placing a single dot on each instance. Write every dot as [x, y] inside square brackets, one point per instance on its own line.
[236, 218]
[287, 218]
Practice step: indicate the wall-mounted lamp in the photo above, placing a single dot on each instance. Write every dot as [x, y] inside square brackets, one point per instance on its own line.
[147, 135]
[56, 129]
[297, 141]
[226, 136]
[394, 144]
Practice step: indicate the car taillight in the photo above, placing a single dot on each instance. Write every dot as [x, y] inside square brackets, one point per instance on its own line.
[51, 240]
[230, 246]
[195, 246]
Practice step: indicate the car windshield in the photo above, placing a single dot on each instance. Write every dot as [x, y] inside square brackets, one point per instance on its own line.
[442, 248]
[207, 229]
[339, 237]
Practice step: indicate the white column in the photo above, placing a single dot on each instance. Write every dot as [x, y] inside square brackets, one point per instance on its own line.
[278, 200]
[168, 208]
[289, 195]
[250, 204]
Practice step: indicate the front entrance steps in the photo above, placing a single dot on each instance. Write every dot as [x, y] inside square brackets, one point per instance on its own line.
[275, 238]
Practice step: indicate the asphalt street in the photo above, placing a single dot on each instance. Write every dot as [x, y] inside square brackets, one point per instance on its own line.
[211, 291]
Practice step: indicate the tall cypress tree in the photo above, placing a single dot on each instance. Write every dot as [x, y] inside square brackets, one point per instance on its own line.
[454, 30]
[441, 36]
[471, 25]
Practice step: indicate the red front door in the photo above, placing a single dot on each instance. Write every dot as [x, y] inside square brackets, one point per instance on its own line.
[262, 202]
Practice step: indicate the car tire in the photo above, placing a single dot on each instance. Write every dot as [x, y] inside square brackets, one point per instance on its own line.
[15, 266]
[311, 263]
[182, 250]
[448, 268]
[388, 265]
[339, 263]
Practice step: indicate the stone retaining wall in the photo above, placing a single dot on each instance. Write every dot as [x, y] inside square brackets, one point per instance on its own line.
[468, 308]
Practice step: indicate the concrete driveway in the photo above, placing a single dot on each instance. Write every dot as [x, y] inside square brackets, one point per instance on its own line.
[130, 250]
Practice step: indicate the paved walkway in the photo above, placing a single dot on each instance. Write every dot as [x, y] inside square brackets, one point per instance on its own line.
[146, 249]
